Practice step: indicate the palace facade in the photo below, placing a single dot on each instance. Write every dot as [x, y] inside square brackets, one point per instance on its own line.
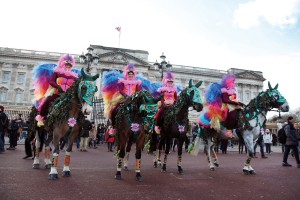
[16, 92]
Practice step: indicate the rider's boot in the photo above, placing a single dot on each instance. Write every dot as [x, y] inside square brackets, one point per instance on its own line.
[40, 120]
[228, 134]
[157, 130]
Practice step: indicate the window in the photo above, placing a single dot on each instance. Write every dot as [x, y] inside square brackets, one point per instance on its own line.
[18, 97]
[2, 96]
[21, 77]
[240, 96]
[5, 77]
[247, 96]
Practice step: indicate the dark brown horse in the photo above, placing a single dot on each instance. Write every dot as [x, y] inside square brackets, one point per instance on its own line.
[128, 120]
[174, 123]
[66, 117]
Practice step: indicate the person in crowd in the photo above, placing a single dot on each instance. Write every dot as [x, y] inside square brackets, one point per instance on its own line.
[274, 139]
[291, 142]
[28, 140]
[224, 145]
[92, 137]
[268, 141]
[4, 123]
[109, 138]
[87, 126]
[260, 142]
[195, 130]
[100, 133]
[16, 126]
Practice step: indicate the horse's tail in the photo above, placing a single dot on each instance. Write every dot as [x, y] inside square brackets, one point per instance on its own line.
[213, 112]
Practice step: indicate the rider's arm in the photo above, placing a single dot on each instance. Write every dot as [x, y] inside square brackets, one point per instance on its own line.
[225, 99]
[121, 89]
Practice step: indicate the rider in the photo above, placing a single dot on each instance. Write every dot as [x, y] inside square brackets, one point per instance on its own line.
[129, 85]
[61, 79]
[229, 98]
[168, 90]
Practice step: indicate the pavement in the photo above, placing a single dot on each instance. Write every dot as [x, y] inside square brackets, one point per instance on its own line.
[92, 177]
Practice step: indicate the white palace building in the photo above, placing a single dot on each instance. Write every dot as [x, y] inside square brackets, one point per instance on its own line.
[16, 91]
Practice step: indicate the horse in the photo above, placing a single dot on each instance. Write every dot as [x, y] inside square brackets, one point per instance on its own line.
[174, 123]
[128, 119]
[66, 116]
[250, 121]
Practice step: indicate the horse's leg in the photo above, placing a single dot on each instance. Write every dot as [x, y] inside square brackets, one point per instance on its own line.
[36, 161]
[138, 155]
[126, 158]
[180, 142]
[167, 150]
[248, 139]
[121, 149]
[53, 175]
[160, 146]
[47, 152]
[214, 156]
[208, 154]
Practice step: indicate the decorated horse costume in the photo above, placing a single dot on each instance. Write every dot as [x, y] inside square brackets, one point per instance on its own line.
[253, 117]
[174, 123]
[130, 125]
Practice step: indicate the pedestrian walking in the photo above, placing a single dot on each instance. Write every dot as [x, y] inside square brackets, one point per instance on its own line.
[4, 123]
[87, 126]
[268, 140]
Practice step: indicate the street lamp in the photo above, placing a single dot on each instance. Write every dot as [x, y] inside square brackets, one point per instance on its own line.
[163, 65]
[89, 58]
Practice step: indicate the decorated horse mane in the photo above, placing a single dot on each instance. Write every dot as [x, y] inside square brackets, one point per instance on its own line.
[132, 105]
[59, 111]
[263, 102]
[183, 100]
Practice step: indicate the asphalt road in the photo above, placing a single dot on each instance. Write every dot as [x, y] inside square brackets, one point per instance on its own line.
[92, 177]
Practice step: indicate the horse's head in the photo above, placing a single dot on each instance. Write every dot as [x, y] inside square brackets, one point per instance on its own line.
[276, 99]
[86, 89]
[194, 95]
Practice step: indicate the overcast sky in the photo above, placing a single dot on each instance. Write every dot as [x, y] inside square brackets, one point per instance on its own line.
[260, 35]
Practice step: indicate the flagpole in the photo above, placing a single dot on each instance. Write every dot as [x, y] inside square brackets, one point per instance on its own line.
[119, 36]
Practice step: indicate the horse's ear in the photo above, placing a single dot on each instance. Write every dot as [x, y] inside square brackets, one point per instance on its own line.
[269, 84]
[198, 84]
[190, 83]
[95, 77]
[276, 86]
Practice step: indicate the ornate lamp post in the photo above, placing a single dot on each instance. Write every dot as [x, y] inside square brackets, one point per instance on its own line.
[163, 65]
[89, 58]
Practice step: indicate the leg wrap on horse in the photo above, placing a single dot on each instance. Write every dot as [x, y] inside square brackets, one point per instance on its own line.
[179, 160]
[138, 165]
[119, 164]
[47, 155]
[126, 158]
[165, 158]
[67, 161]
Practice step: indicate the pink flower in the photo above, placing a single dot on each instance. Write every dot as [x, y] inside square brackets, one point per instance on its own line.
[72, 122]
[181, 128]
[135, 127]
[39, 118]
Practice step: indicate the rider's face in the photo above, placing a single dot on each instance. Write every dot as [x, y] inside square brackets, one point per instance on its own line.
[130, 76]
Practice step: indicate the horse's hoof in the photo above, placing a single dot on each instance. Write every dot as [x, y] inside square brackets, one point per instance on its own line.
[138, 177]
[48, 166]
[118, 177]
[245, 171]
[212, 169]
[180, 171]
[36, 166]
[159, 163]
[164, 168]
[126, 168]
[52, 176]
[252, 172]
[216, 164]
[66, 173]
[155, 165]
